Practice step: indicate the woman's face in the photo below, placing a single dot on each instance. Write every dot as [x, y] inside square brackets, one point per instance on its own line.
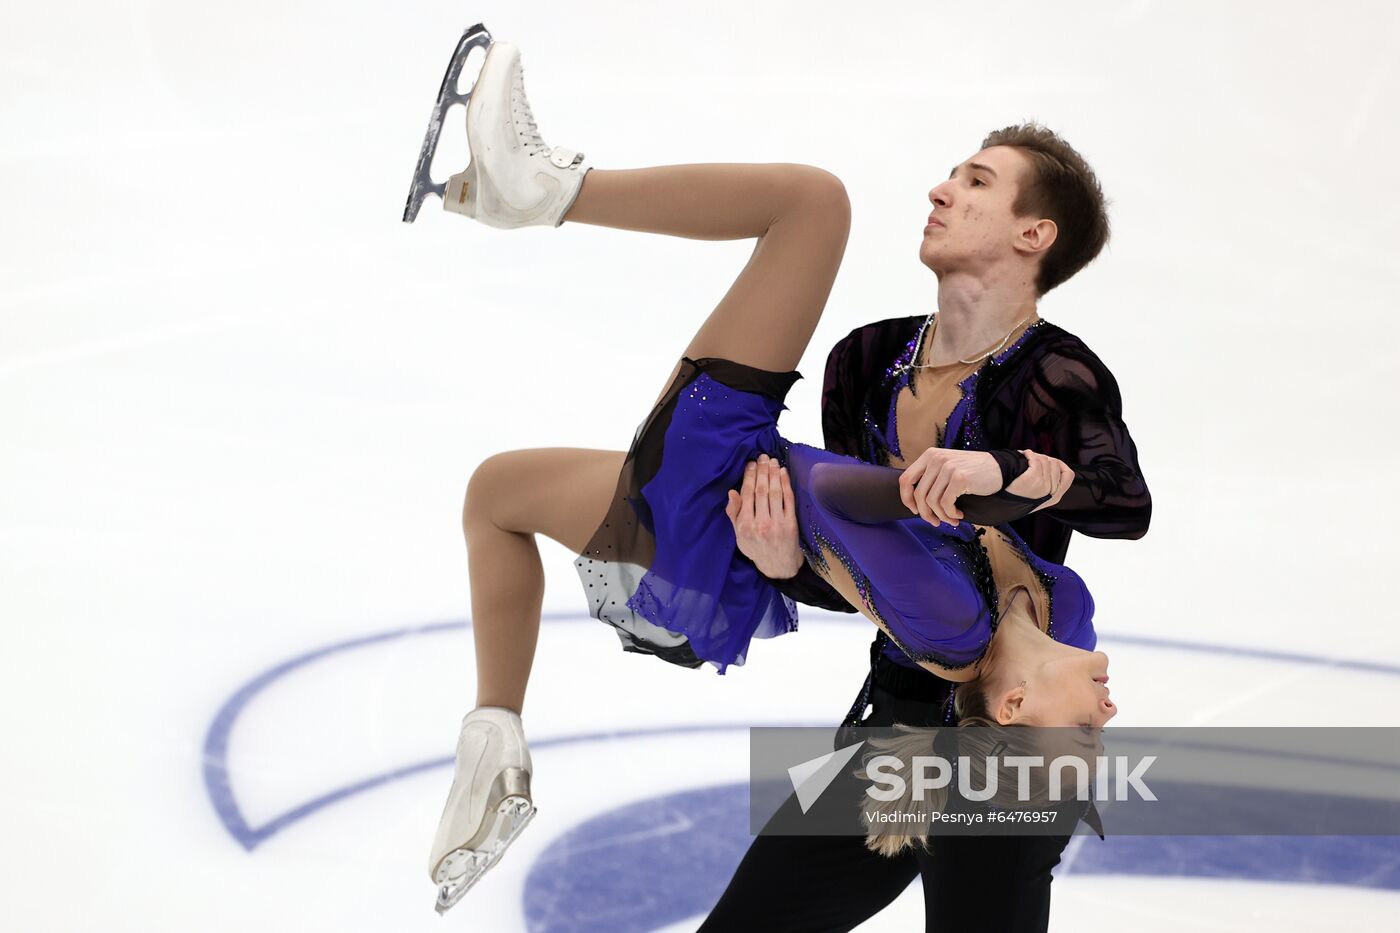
[1069, 689]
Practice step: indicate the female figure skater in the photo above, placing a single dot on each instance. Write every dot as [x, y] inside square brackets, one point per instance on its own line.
[653, 525]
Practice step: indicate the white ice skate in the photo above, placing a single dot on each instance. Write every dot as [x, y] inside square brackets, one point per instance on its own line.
[489, 803]
[514, 178]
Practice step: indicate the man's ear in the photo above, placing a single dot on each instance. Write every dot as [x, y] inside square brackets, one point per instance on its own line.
[1039, 236]
[1008, 708]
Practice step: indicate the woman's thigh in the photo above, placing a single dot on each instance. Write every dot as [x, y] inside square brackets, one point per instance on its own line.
[769, 314]
[560, 492]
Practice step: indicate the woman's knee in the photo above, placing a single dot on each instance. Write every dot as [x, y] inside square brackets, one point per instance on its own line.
[822, 192]
[562, 493]
[488, 485]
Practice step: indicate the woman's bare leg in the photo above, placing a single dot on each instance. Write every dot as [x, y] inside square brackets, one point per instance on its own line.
[800, 215]
[561, 492]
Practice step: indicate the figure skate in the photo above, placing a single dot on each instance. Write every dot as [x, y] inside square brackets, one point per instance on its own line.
[489, 803]
[514, 178]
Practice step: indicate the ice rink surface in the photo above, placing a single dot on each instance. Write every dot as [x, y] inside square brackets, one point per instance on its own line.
[241, 402]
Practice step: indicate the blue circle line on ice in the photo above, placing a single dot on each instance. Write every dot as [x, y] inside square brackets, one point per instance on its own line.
[217, 778]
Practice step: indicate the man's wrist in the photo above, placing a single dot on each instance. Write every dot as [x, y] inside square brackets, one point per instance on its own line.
[1012, 463]
[779, 576]
[782, 573]
[763, 569]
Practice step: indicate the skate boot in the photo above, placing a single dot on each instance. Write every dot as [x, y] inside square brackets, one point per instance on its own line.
[489, 803]
[514, 179]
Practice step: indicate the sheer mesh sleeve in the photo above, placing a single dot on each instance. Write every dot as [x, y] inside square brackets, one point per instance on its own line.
[926, 584]
[846, 373]
[868, 493]
[1081, 415]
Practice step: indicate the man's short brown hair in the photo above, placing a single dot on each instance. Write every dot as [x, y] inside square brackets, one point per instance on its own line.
[1062, 187]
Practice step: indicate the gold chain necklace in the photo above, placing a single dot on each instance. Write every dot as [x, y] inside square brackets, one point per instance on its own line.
[934, 318]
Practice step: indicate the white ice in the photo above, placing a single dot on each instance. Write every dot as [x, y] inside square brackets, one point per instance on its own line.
[241, 400]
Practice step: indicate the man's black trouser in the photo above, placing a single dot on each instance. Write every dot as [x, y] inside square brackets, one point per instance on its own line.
[834, 883]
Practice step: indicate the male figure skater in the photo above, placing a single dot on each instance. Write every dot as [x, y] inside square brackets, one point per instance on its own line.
[1039, 389]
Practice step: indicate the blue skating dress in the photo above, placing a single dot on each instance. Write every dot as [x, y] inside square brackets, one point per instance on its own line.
[663, 568]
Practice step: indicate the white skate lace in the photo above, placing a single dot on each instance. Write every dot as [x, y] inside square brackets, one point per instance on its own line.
[530, 137]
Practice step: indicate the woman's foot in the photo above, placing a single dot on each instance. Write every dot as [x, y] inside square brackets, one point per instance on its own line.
[489, 803]
[514, 178]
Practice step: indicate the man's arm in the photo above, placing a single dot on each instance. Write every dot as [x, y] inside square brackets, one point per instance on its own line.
[1083, 426]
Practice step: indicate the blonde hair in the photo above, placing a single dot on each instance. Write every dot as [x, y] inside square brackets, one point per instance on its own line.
[977, 737]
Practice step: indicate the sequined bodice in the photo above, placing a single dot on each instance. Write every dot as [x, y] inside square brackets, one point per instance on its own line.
[923, 398]
[921, 404]
[919, 415]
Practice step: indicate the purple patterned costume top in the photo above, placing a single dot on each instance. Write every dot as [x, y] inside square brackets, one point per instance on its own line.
[1046, 392]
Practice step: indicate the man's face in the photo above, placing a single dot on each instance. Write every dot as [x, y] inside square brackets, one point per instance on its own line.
[974, 206]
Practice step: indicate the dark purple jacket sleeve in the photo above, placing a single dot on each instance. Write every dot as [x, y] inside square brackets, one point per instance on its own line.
[1079, 413]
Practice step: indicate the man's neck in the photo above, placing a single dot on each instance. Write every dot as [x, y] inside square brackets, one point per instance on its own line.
[973, 316]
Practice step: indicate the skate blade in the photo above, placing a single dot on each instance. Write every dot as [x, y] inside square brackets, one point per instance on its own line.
[462, 868]
[423, 184]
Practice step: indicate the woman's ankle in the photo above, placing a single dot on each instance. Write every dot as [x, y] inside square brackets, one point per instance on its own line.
[509, 704]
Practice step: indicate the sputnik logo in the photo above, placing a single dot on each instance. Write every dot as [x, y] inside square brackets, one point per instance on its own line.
[810, 778]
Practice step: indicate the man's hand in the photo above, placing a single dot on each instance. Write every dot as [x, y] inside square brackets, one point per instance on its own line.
[1045, 476]
[764, 516]
[931, 484]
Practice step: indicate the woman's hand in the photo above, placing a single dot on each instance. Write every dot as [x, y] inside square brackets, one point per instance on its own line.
[1045, 476]
[931, 484]
[764, 515]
